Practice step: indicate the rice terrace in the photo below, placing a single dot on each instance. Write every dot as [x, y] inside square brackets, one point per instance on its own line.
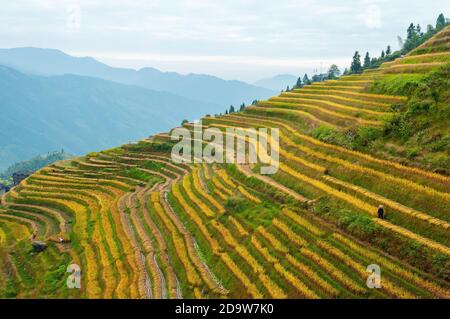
[130, 222]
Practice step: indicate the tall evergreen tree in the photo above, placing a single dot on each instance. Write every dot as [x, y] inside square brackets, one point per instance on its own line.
[287, 89]
[440, 22]
[306, 80]
[410, 32]
[366, 61]
[388, 50]
[356, 66]
[231, 109]
[299, 82]
[413, 38]
[383, 54]
[419, 30]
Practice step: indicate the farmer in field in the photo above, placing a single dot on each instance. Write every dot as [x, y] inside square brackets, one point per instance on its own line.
[381, 212]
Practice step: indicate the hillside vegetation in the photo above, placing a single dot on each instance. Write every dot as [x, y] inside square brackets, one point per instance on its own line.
[141, 226]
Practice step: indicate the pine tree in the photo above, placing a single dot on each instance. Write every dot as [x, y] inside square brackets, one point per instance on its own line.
[414, 38]
[411, 32]
[287, 89]
[299, 82]
[388, 50]
[306, 80]
[231, 109]
[226, 112]
[383, 54]
[366, 61]
[242, 107]
[356, 63]
[440, 22]
[419, 30]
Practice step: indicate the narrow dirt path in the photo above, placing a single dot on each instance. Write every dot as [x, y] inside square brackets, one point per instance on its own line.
[191, 245]
[245, 169]
[162, 246]
[122, 205]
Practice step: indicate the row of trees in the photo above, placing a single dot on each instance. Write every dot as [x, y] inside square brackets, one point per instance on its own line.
[333, 73]
[370, 63]
[232, 109]
[414, 38]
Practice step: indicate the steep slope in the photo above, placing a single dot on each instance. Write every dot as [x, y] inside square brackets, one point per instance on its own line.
[141, 226]
[420, 131]
[199, 87]
[81, 114]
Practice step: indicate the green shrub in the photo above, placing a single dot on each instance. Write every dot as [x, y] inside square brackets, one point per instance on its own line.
[397, 84]
[53, 278]
[360, 225]
[440, 264]
[156, 166]
[365, 135]
[10, 289]
[235, 204]
[413, 152]
[137, 174]
[352, 138]
[439, 159]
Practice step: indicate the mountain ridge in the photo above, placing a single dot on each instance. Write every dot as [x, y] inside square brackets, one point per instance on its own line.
[200, 87]
[44, 113]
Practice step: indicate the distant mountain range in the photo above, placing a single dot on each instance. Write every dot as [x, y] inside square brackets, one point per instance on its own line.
[82, 114]
[278, 82]
[50, 100]
[199, 87]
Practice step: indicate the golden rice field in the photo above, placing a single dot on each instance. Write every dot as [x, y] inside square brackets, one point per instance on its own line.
[141, 226]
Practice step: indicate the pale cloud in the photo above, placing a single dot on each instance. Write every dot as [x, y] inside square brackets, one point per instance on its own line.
[249, 60]
[227, 38]
[372, 17]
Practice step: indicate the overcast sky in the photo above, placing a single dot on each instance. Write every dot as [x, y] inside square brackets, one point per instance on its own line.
[233, 39]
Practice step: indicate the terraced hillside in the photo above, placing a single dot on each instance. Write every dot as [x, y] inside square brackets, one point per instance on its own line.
[141, 226]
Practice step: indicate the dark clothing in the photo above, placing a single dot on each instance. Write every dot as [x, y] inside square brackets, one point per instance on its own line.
[381, 213]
